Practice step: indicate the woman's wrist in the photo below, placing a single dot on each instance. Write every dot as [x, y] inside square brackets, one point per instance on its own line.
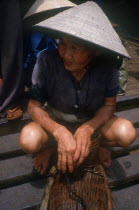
[58, 129]
[89, 128]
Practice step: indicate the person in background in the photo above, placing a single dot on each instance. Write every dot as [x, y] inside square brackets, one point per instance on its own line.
[11, 60]
[34, 43]
[123, 78]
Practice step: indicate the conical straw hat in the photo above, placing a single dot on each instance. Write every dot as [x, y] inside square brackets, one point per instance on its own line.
[45, 5]
[87, 22]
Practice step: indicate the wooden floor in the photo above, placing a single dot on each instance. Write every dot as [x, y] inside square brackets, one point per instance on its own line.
[21, 187]
[123, 175]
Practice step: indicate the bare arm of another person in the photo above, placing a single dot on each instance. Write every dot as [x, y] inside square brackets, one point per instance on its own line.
[84, 132]
[65, 139]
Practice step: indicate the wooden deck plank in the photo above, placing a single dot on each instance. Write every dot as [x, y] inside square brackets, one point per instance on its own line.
[133, 92]
[9, 143]
[127, 103]
[11, 128]
[22, 196]
[127, 98]
[127, 198]
[17, 170]
[15, 167]
[132, 81]
[9, 146]
[132, 115]
[123, 170]
[132, 86]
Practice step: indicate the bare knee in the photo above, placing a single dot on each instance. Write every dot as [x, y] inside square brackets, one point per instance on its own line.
[32, 138]
[119, 132]
[126, 133]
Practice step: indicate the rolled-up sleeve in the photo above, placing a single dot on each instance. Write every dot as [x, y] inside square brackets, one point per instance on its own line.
[112, 83]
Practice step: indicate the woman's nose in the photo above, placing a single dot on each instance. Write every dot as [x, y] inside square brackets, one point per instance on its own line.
[68, 53]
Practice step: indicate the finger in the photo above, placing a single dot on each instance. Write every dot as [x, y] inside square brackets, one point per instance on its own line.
[77, 152]
[39, 168]
[59, 162]
[43, 170]
[34, 159]
[70, 163]
[63, 162]
[82, 155]
[87, 149]
[36, 164]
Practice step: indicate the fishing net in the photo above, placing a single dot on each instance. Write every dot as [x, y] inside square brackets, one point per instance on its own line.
[85, 189]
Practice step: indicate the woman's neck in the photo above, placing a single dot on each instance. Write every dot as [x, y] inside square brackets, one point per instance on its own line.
[78, 75]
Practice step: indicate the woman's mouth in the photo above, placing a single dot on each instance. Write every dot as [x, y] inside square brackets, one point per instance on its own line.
[67, 63]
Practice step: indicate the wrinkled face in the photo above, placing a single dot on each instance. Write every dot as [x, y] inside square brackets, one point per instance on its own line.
[74, 55]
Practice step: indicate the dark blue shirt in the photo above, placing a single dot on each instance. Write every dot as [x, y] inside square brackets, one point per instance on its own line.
[51, 82]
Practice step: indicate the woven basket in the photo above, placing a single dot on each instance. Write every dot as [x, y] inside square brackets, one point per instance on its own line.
[86, 188]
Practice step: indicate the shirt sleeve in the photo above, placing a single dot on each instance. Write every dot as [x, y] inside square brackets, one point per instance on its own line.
[112, 83]
[38, 90]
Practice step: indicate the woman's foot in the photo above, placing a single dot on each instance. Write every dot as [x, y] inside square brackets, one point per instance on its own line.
[43, 160]
[14, 113]
[104, 157]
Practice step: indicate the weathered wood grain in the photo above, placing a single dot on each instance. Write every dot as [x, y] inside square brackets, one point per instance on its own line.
[9, 146]
[127, 198]
[123, 170]
[17, 170]
[22, 196]
[132, 115]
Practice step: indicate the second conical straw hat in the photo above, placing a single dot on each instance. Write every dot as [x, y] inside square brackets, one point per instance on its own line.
[46, 5]
[87, 22]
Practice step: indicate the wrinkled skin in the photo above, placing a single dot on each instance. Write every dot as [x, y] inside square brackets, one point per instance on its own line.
[72, 149]
[66, 149]
[83, 142]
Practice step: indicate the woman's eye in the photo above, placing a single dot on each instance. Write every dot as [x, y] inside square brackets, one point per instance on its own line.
[76, 47]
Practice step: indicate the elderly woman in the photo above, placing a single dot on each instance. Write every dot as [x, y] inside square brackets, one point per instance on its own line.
[79, 81]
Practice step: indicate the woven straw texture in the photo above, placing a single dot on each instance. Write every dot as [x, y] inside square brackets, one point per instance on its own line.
[86, 188]
[45, 5]
[88, 22]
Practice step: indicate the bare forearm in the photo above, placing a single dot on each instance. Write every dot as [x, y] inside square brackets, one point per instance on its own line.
[100, 117]
[42, 118]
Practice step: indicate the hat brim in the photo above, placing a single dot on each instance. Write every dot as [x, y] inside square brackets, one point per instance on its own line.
[56, 34]
[86, 22]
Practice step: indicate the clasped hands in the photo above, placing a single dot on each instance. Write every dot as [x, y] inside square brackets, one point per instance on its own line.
[72, 149]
